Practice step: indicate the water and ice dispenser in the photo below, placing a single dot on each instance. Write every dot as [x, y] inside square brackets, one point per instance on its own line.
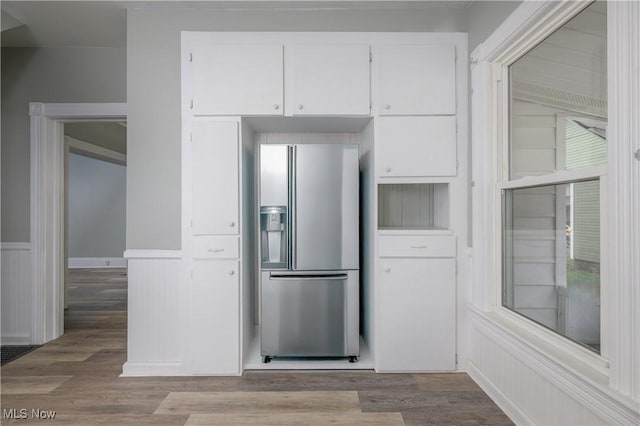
[273, 237]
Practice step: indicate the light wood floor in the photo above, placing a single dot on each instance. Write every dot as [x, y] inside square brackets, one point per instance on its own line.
[77, 377]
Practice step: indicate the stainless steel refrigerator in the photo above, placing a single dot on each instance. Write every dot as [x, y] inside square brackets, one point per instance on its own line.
[309, 245]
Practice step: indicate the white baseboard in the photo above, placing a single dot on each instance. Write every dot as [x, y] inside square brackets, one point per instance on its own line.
[16, 340]
[501, 400]
[146, 369]
[97, 262]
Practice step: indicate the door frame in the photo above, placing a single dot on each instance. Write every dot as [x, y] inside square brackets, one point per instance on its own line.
[47, 227]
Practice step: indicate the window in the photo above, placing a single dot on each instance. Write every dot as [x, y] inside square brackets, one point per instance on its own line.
[556, 156]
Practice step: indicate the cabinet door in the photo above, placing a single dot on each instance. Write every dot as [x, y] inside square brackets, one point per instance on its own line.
[415, 79]
[214, 162]
[416, 146]
[215, 318]
[416, 318]
[327, 79]
[237, 79]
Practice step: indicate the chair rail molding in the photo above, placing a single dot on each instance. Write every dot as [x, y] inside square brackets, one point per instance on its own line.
[47, 206]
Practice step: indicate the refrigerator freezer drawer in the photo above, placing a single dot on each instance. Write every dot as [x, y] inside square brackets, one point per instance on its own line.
[310, 314]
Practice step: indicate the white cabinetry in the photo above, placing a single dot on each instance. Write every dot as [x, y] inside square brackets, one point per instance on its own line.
[215, 316]
[416, 319]
[237, 86]
[214, 166]
[330, 79]
[237, 79]
[416, 146]
[213, 247]
[414, 79]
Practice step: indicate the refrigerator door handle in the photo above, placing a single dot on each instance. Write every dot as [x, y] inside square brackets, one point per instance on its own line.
[309, 277]
[294, 205]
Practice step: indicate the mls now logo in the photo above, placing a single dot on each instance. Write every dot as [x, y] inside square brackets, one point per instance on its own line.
[23, 413]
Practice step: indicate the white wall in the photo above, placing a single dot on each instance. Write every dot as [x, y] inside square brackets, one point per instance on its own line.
[97, 208]
[485, 16]
[153, 81]
[46, 75]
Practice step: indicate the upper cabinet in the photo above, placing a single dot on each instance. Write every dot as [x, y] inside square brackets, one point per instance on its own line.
[327, 79]
[237, 79]
[415, 79]
[416, 146]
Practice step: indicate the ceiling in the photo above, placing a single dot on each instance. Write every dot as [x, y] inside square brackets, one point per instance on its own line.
[105, 134]
[104, 23]
[568, 70]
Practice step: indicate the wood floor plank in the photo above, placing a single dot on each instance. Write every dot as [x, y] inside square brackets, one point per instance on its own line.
[88, 403]
[35, 358]
[259, 402]
[324, 381]
[12, 385]
[352, 419]
[445, 382]
[110, 419]
[449, 416]
[146, 384]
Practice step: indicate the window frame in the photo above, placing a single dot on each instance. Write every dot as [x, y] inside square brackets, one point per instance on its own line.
[528, 24]
[551, 18]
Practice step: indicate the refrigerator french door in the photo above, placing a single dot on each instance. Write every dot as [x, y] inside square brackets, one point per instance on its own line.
[309, 236]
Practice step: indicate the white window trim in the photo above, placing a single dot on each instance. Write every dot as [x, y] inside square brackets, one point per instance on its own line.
[525, 28]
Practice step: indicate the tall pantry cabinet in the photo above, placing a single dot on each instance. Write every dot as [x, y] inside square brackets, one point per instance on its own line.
[407, 87]
[416, 156]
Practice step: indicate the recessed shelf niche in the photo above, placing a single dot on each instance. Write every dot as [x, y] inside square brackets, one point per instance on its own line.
[413, 206]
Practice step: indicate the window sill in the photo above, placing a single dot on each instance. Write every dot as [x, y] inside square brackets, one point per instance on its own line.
[556, 346]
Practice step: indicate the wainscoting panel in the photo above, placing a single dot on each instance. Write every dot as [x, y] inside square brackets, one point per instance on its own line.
[154, 317]
[532, 388]
[17, 315]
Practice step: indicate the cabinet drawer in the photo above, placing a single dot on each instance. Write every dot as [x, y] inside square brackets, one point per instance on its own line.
[417, 246]
[207, 247]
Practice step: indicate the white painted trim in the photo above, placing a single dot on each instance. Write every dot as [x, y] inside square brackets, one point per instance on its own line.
[93, 151]
[527, 26]
[588, 387]
[542, 338]
[15, 246]
[510, 409]
[69, 111]
[560, 177]
[145, 369]
[46, 206]
[622, 233]
[152, 254]
[15, 340]
[97, 262]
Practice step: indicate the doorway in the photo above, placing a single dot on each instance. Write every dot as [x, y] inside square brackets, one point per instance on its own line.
[95, 281]
[47, 224]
